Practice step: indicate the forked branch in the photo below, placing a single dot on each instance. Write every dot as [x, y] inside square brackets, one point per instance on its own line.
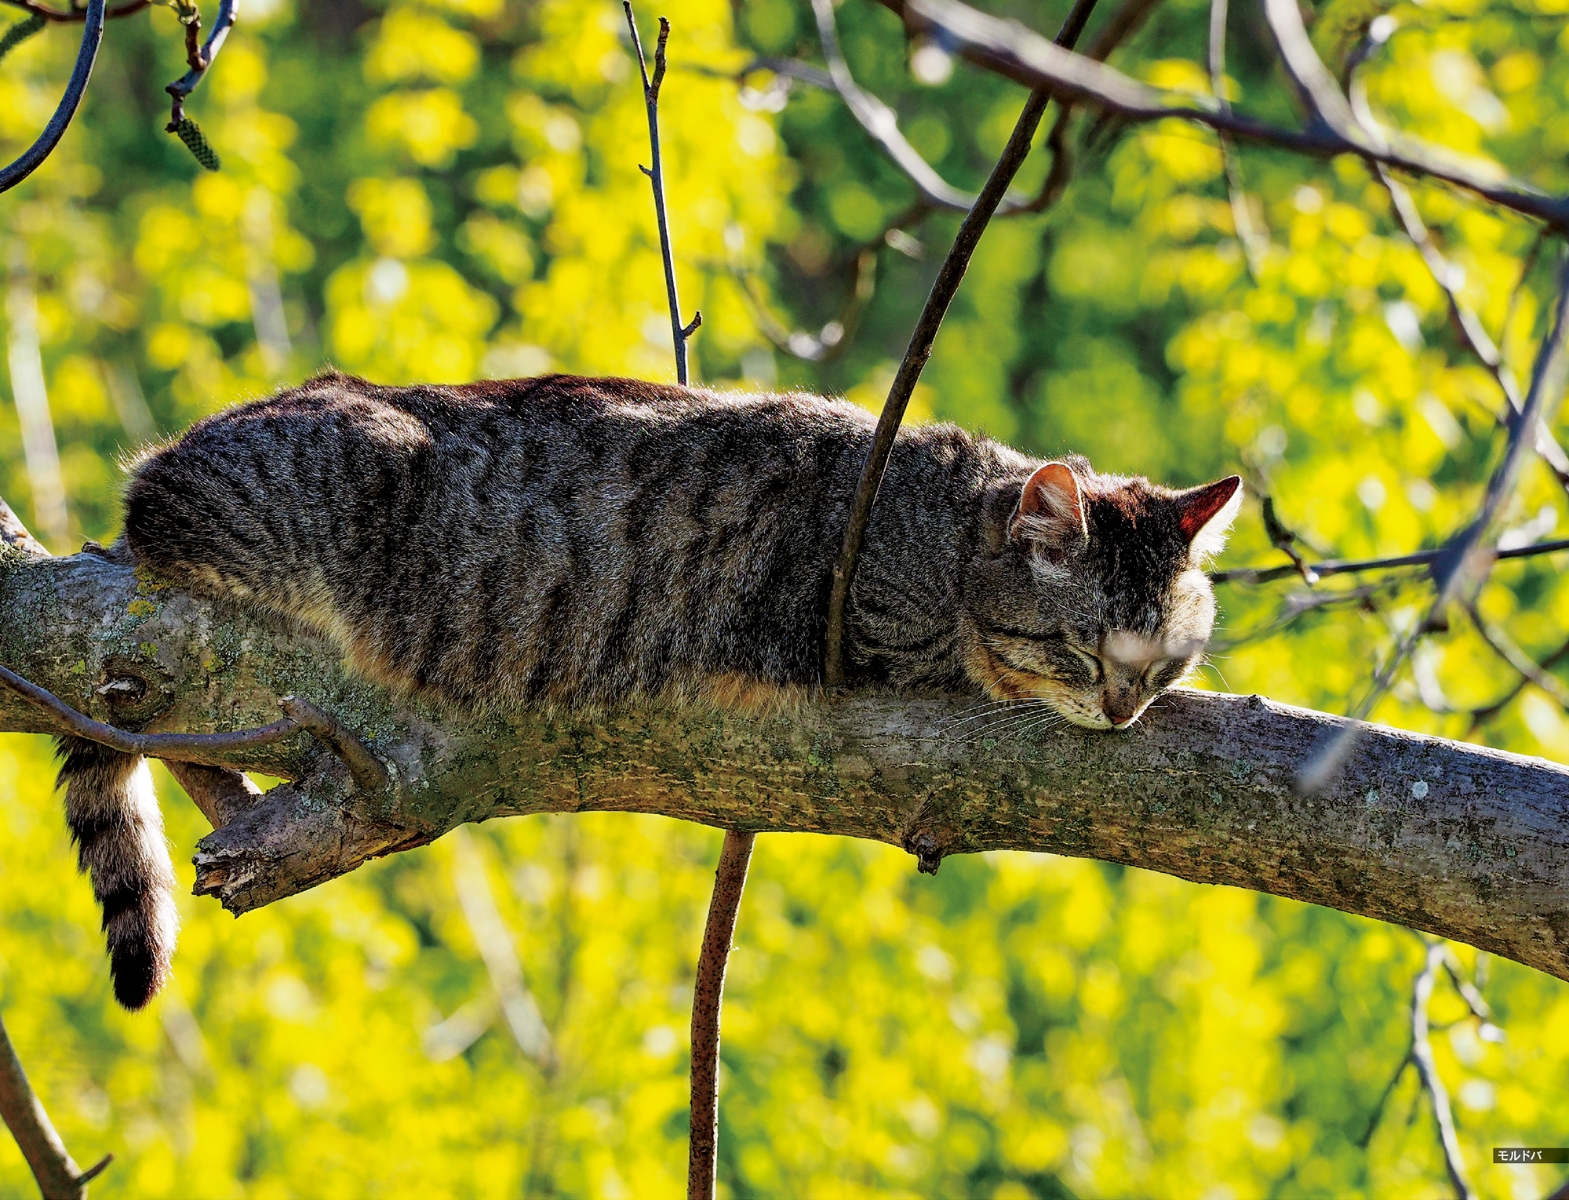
[944, 289]
[679, 333]
[1011, 49]
[58, 1176]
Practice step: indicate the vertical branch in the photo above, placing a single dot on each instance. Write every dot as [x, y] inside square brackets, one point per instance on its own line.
[29, 391]
[656, 177]
[729, 882]
[58, 1176]
[730, 879]
[920, 349]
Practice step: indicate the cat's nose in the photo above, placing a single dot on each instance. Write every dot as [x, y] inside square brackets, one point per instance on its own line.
[1120, 708]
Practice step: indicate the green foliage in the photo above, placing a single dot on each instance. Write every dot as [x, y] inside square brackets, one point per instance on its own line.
[444, 189]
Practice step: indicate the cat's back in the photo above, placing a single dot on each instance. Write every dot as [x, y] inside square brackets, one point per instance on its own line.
[514, 539]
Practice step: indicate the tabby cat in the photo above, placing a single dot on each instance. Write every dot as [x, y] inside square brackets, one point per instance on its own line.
[569, 541]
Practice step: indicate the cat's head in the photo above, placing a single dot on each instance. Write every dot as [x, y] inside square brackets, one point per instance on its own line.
[1090, 593]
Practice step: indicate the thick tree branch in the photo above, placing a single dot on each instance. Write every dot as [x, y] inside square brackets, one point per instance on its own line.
[1459, 841]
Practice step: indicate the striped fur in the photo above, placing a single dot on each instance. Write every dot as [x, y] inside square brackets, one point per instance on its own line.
[579, 542]
[115, 822]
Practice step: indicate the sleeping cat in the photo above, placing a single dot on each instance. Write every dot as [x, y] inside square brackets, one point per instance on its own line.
[570, 541]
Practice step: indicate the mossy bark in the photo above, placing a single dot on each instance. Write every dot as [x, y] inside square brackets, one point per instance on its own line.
[1468, 843]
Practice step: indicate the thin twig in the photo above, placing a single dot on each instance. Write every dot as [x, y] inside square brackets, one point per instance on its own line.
[1023, 55]
[368, 772]
[1480, 1008]
[707, 997]
[1420, 558]
[1464, 561]
[190, 16]
[1472, 332]
[200, 61]
[656, 177]
[87, 53]
[209, 749]
[1124, 23]
[882, 123]
[58, 1176]
[920, 349]
[76, 15]
[1487, 712]
[1427, 1071]
[1383, 1101]
[1253, 244]
[1501, 644]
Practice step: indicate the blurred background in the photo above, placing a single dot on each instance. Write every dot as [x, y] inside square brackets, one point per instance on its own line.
[449, 189]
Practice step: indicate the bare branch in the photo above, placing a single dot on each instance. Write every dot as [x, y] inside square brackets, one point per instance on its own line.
[1023, 55]
[1427, 1071]
[919, 350]
[1422, 558]
[1480, 1009]
[1464, 562]
[1254, 244]
[656, 179]
[1489, 711]
[707, 998]
[1461, 564]
[58, 1176]
[881, 122]
[1504, 646]
[1124, 23]
[210, 749]
[55, 16]
[222, 22]
[1472, 333]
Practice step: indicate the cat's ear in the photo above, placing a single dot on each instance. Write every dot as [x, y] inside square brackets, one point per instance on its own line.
[1050, 512]
[1206, 514]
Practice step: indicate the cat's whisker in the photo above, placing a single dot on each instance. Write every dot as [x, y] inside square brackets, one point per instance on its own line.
[991, 708]
[1031, 711]
[984, 708]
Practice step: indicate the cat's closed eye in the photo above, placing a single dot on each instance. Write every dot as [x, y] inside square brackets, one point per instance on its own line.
[1096, 668]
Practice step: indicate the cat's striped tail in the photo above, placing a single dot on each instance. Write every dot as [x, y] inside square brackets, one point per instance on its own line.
[115, 821]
